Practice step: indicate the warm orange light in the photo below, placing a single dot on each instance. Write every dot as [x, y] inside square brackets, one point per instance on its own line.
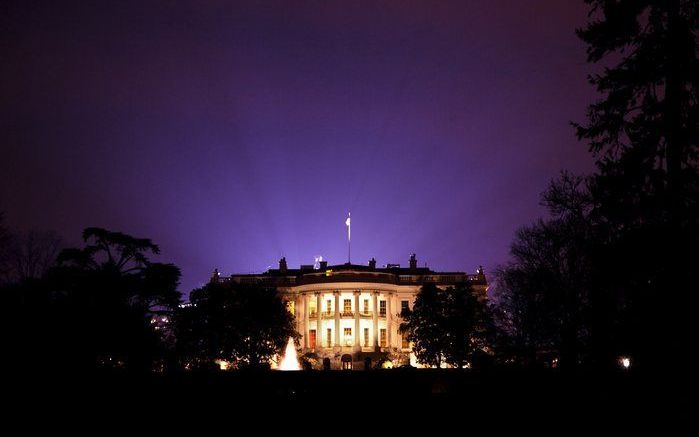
[223, 364]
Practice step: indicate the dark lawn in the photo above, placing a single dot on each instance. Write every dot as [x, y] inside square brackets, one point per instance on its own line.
[393, 401]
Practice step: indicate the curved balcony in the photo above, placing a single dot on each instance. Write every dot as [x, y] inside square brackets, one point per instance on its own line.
[347, 314]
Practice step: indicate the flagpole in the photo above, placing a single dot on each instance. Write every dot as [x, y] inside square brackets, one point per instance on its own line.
[349, 239]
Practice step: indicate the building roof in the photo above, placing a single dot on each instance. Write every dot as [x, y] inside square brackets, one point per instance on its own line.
[392, 273]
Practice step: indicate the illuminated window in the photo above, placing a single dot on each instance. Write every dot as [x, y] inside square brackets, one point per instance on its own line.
[366, 337]
[404, 306]
[311, 309]
[312, 338]
[347, 306]
[405, 344]
[348, 336]
[383, 337]
[328, 306]
[291, 306]
[382, 308]
[330, 337]
[366, 305]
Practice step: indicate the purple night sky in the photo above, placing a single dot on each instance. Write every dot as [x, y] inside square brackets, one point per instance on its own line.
[232, 134]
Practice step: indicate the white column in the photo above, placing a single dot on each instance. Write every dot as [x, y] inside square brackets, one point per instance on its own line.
[337, 319]
[375, 314]
[356, 320]
[319, 318]
[389, 320]
[305, 321]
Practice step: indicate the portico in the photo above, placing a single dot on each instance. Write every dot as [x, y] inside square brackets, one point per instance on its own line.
[349, 314]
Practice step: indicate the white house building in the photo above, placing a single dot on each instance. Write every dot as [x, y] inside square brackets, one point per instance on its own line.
[348, 315]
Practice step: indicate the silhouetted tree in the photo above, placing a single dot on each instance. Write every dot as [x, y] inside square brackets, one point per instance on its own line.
[246, 325]
[30, 255]
[4, 248]
[467, 326]
[108, 293]
[645, 127]
[542, 296]
[446, 326]
[425, 325]
[644, 133]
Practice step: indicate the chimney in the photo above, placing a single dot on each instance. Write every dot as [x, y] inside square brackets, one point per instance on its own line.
[282, 265]
[372, 263]
[323, 265]
[215, 277]
[413, 262]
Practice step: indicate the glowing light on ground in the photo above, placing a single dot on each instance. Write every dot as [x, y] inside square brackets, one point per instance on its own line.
[625, 362]
[223, 364]
[290, 360]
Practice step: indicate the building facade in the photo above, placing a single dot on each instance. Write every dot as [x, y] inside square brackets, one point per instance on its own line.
[348, 315]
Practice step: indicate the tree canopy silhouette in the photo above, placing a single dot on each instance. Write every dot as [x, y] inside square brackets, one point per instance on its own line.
[445, 326]
[28, 255]
[108, 291]
[4, 248]
[644, 133]
[543, 292]
[245, 325]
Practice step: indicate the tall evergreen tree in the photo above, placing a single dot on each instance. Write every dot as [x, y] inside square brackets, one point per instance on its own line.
[425, 326]
[467, 326]
[644, 134]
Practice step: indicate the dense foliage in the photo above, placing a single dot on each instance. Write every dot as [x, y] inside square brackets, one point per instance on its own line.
[96, 306]
[446, 326]
[604, 275]
[245, 325]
